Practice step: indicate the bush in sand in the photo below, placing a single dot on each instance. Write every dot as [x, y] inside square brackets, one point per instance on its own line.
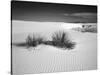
[61, 39]
[34, 40]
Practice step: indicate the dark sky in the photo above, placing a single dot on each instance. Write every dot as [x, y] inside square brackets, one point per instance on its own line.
[53, 12]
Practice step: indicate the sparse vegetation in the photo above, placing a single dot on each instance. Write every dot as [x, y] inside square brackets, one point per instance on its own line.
[34, 40]
[60, 39]
[91, 29]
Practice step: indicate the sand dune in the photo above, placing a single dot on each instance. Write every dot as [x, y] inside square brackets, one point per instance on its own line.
[48, 58]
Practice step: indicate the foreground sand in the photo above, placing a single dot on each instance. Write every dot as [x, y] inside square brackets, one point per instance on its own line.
[52, 59]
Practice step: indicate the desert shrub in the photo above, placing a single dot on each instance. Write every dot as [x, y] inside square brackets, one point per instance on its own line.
[69, 45]
[34, 40]
[91, 29]
[61, 39]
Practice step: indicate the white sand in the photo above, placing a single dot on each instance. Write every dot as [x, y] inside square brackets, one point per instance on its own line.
[48, 58]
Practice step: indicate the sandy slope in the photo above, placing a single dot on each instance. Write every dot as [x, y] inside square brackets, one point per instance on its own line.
[51, 59]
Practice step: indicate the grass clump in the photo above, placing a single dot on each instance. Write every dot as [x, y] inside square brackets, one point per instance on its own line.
[34, 40]
[61, 39]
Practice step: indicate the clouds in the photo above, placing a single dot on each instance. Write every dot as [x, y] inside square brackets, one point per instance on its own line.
[83, 17]
[83, 14]
[53, 12]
